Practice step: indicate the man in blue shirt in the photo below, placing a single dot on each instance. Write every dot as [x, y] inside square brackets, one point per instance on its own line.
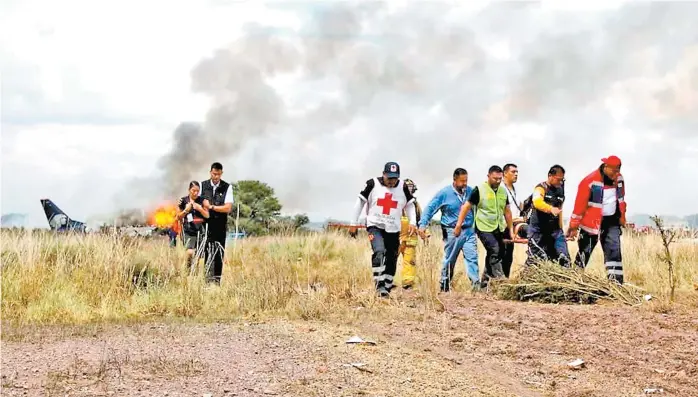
[449, 201]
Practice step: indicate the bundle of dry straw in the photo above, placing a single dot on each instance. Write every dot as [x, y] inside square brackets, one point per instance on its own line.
[549, 282]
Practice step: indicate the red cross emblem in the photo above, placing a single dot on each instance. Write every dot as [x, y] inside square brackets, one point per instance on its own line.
[387, 203]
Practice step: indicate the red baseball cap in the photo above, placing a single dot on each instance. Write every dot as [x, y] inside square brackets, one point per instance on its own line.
[613, 161]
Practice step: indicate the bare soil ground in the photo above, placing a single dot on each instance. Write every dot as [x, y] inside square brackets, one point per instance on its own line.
[476, 347]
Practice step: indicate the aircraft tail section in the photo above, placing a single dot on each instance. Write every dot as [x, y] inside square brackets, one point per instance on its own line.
[59, 220]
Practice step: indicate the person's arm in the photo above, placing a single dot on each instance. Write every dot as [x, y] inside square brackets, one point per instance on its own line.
[411, 212]
[473, 200]
[507, 217]
[358, 207]
[203, 209]
[580, 204]
[227, 206]
[361, 201]
[461, 216]
[538, 200]
[183, 211]
[409, 209]
[560, 219]
[429, 212]
[621, 202]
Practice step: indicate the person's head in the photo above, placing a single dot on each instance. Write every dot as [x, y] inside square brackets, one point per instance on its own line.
[411, 186]
[460, 179]
[194, 189]
[556, 175]
[611, 166]
[391, 174]
[511, 173]
[494, 176]
[216, 172]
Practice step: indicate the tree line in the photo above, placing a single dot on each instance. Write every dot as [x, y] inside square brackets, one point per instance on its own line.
[260, 211]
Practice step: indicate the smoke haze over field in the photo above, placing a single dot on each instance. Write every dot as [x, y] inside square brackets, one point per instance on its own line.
[434, 90]
[315, 104]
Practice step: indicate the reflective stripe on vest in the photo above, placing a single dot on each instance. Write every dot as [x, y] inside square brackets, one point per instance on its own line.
[490, 209]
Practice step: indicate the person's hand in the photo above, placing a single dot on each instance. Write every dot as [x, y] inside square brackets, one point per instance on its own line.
[422, 233]
[197, 206]
[411, 230]
[571, 233]
[353, 231]
[456, 231]
[188, 207]
[555, 211]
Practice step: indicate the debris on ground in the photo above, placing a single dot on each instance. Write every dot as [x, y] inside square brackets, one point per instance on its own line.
[654, 390]
[357, 340]
[548, 282]
[576, 364]
[359, 366]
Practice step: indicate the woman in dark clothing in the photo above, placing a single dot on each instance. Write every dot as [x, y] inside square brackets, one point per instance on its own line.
[193, 212]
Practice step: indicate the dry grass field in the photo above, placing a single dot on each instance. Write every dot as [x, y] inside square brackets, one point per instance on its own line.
[99, 315]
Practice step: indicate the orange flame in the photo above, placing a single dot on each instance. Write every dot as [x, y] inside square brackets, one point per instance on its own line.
[165, 216]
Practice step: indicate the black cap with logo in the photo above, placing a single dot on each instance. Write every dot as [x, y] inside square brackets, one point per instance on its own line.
[392, 169]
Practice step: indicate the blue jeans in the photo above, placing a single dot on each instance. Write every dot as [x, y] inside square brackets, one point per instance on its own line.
[547, 245]
[466, 243]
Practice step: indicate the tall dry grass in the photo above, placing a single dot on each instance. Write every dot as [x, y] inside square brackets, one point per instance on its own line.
[49, 278]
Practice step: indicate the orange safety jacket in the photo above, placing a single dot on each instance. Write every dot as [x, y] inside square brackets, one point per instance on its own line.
[588, 206]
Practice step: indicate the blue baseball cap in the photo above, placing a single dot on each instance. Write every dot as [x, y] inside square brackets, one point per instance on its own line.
[392, 169]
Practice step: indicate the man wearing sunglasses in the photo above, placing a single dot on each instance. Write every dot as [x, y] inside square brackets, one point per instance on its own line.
[546, 239]
[599, 211]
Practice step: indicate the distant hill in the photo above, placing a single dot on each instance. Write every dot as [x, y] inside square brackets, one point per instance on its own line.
[644, 220]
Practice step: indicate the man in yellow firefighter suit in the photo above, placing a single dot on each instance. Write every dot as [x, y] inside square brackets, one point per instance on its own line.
[408, 244]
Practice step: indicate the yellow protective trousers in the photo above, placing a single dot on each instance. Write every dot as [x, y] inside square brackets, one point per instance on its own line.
[408, 249]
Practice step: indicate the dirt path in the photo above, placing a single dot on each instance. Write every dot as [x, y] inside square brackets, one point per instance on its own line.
[477, 347]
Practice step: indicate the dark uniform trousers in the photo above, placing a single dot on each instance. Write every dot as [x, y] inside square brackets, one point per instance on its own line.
[385, 248]
[215, 250]
[494, 246]
[217, 230]
[610, 243]
[508, 256]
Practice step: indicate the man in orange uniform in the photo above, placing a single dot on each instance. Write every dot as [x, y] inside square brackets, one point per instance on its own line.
[599, 211]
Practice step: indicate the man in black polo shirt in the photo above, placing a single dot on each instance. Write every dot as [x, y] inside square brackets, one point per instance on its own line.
[219, 194]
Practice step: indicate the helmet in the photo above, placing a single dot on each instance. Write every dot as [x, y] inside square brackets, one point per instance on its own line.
[411, 185]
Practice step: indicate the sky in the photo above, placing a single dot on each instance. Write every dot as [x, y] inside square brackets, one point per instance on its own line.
[313, 98]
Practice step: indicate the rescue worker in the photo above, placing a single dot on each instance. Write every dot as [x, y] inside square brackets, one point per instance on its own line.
[449, 200]
[546, 238]
[219, 194]
[599, 211]
[510, 177]
[193, 212]
[492, 219]
[385, 198]
[408, 242]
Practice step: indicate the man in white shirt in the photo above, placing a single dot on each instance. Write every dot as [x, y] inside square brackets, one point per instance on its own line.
[511, 176]
[385, 197]
[219, 194]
